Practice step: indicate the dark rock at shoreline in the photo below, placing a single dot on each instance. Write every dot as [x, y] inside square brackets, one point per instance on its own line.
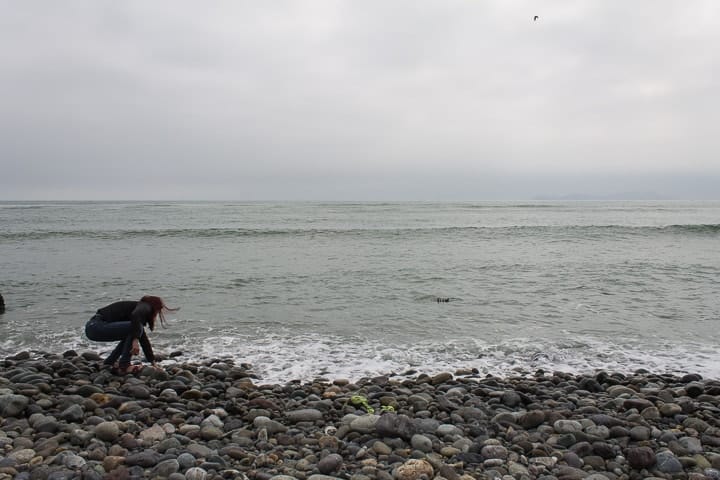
[64, 416]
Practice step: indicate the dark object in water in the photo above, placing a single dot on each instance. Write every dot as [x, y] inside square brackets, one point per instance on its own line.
[442, 299]
[2, 304]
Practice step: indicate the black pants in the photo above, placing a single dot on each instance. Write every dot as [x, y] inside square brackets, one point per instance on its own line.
[99, 330]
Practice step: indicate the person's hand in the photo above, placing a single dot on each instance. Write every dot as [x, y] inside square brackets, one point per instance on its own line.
[135, 350]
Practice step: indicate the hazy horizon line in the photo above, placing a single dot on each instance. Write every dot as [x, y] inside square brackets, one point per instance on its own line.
[565, 198]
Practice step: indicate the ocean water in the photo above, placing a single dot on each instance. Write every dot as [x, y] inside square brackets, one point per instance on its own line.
[344, 290]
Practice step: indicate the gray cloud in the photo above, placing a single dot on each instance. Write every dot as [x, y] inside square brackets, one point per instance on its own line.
[367, 100]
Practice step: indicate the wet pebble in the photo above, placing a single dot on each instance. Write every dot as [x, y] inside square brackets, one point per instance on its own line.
[214, 419]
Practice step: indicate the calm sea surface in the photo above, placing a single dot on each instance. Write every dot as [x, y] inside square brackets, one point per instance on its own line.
[350, 289]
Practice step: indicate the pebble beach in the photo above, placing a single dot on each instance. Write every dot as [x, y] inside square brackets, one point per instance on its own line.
[64, 416]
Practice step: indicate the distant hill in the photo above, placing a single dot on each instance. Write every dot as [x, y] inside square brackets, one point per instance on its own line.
[615, 196]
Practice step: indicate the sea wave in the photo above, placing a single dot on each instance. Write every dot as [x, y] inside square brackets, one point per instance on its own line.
[282, 357]
[583, 231]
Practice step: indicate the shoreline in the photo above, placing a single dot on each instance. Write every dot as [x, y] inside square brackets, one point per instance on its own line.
[64, 416]
[278, 356]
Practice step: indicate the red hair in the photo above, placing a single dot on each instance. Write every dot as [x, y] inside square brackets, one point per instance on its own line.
[158, 307]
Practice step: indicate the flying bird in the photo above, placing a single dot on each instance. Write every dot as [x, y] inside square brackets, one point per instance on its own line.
[535, 18]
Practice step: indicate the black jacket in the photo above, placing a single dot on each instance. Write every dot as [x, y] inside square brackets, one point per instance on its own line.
[138, 313]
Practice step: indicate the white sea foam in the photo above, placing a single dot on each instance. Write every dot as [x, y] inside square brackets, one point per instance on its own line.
[278, 358]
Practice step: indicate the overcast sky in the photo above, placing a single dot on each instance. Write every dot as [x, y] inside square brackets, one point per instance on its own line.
[359, 100]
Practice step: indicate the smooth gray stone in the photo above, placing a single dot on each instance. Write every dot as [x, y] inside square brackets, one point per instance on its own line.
[329, 464]
[186, 460]
[166, 468]
[271, 426]
[304, 415]
[422, 443]
[145, 459]
[13, 405]
[73, 414]
[668, 463]
[394, 425]
[365, 423]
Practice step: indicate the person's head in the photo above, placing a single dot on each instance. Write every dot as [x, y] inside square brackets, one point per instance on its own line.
[158, 307]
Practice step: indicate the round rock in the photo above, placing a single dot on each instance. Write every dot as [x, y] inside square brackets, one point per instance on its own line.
[567, 426]
[186, 460]
[166, 468]
[668, 463]
[107, 431]
[393, 425]
[195, 473]
[494, 452]
[640, 457]
[329, 464]
[422, 443]
[13, 405]
[153, 434]
[414, 469]
[531, 419]
[271, 426]
[304, 415]
[73, 414]
[23, 455]
[210, 432]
